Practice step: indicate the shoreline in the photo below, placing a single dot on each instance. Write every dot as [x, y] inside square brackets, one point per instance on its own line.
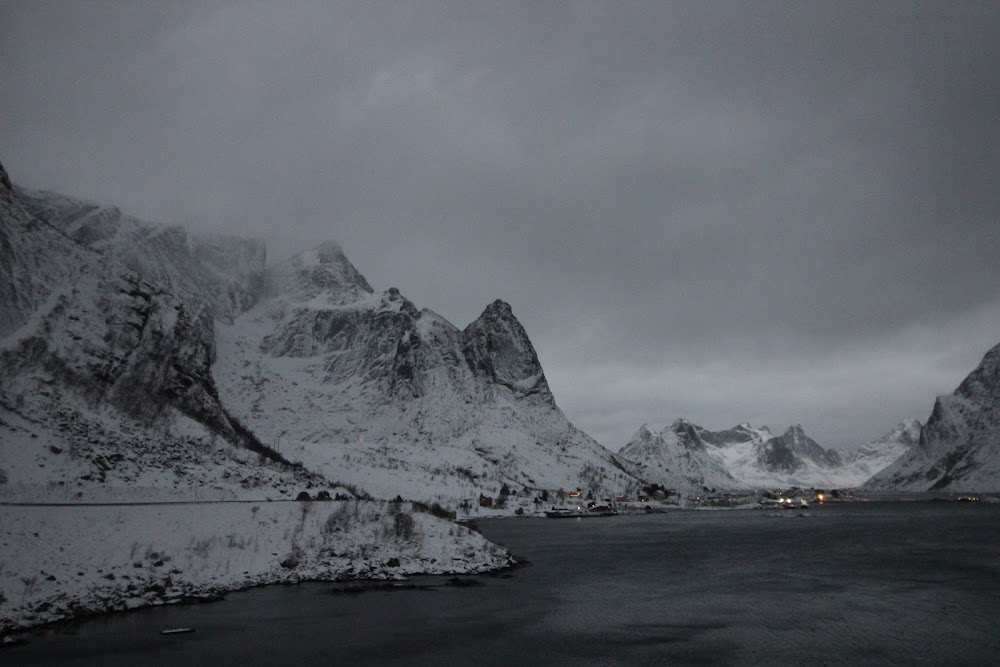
[66, 563]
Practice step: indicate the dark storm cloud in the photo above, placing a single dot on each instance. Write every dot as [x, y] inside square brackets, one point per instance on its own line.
[780, 212]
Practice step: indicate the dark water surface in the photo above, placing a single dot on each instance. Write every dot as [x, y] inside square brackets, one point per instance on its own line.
[865, 583]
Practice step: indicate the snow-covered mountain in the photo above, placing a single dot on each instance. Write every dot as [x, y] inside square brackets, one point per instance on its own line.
[760, 459]
[959, 447]
[145, 356]
[687, 456]
[678, 457]
[366, 387]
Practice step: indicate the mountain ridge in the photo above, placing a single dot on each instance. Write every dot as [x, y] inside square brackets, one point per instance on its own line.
[959, 447]
[743, 457]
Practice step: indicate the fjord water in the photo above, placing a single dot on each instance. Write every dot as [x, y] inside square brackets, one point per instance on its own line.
[860, 583]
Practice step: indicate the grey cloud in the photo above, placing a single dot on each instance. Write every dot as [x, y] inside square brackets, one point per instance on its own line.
[687, 195]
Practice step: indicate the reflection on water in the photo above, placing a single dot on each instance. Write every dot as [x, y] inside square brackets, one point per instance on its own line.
[912, 583]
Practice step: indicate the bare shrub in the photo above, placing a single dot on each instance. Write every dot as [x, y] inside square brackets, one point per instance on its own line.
[293, 559]
[360, 494]
[29, 585]
[403, 526]
[434, 509]
[341, 517]
[201, 547]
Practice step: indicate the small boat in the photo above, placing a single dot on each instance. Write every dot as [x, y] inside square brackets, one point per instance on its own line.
[563, 513]
[176, 631]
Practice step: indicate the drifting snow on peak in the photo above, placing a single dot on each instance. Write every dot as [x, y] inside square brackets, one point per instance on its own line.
[643, 433]
[906, 432]
[321, 270]
[224, 272]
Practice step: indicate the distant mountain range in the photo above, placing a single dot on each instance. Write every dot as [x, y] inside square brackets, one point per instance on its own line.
[686, 456]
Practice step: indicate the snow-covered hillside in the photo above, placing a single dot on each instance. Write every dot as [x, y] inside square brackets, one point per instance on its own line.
[687, 456]
[959, 448]
[367, 388]
[63, 562]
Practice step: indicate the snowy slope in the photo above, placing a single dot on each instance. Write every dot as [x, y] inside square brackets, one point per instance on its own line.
[959, 448]
[879, 454]
[63, 562]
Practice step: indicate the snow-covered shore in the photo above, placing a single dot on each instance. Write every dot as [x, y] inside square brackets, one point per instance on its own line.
[59, 562]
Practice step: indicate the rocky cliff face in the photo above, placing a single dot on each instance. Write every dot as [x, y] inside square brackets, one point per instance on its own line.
[498, 352]
[5, 184]
[105, 372]
[959, 447]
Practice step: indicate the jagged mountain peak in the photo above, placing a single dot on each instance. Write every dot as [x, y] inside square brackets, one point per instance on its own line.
[796, 431]
[117, 311]
[321, 270]
[791, 450]
[499, 306]
[643, 433]
[497, 347]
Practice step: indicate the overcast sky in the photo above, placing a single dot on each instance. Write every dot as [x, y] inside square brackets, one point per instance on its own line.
[735, 211]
